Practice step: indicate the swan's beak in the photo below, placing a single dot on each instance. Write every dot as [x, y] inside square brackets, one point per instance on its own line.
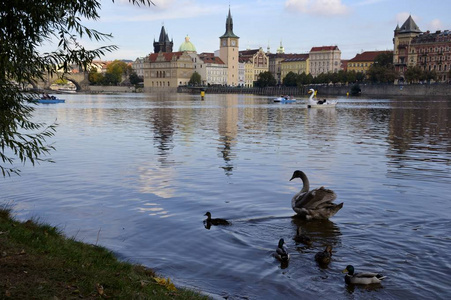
[292, 178]
[309, 92]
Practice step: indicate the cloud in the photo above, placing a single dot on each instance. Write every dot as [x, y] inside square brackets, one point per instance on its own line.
[317, 7]
[369, 2]
[166, 10]
[435, 24]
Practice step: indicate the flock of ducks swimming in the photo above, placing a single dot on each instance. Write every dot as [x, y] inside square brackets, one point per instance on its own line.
[312, 204]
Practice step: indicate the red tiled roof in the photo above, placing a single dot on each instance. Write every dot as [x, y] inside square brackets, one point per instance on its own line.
[324, 48]
[211, 60]
[367, 56]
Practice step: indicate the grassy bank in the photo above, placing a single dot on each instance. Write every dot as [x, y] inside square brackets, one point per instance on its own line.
[38, 262]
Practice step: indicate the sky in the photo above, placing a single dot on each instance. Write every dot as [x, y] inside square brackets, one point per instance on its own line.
[352, 25]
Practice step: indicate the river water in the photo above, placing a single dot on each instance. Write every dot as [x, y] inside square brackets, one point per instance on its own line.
[137, 172]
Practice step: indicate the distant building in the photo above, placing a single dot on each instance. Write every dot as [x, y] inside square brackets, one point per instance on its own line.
[434, 52]
[404, 55]
[212, 69]
[344, 64]
[98, 65]
[363, 61]
[167, 70]
[163, 44]
[228, 51]
[324, 59]
[296, 63]
[255, 62]
[138, 66]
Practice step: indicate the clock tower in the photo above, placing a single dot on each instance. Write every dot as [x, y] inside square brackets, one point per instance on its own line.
[228, 51]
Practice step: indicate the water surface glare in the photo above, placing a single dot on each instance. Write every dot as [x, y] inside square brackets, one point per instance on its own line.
[137, 172]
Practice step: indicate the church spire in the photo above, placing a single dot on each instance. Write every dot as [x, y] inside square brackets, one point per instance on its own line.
[163, 44]
[229, 28]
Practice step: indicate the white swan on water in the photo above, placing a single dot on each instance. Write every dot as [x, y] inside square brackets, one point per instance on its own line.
[319, 103]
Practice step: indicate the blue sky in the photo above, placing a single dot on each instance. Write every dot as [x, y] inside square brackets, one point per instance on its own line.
[353, 25]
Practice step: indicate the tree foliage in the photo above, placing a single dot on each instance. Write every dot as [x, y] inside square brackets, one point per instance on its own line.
[135, 79]
[195, 79]
[383, 70]
[417, 74]
[265, 79]
[290, 79]
[25, 26]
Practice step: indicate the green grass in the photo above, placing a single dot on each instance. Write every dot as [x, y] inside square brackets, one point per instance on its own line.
[38, 262]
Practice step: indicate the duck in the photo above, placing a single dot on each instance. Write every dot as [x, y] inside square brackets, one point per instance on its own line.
[281, 252]
[209, 221]
[302, 238]
[324, 257]
[361, 277]
[316, 203]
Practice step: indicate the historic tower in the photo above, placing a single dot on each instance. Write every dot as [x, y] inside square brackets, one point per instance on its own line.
[228, 51]
[403, 55]
[163, 44]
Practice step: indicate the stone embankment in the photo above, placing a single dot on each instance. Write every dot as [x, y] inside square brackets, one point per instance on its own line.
[382, 90]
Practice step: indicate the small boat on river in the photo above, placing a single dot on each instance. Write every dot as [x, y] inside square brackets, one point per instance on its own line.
[319, 103]
[284, 99]
[50, 101]
[47, 99]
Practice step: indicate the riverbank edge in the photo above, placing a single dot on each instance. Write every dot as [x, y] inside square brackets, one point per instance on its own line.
[367, 90]
[38, 262]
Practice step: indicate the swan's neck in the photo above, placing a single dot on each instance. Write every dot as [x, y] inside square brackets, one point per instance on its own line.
[305, 182]
[311, 96]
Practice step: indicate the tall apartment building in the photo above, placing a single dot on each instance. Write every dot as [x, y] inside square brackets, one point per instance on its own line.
[434, 53]
[324, 59]
[255, 61]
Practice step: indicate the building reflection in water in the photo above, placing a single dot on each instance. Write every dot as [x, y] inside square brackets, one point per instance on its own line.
[227, 130]
[163, 130]
[419, 134]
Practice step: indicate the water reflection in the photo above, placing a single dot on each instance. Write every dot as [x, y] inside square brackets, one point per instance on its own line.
[162, 120]
[322, 232]
[227, 130]
[146, 167]
[352, 288]
[422, 128]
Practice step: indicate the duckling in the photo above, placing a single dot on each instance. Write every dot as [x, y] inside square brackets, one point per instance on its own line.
[281, 252]
[361, 277]
[324, 257]
[302, 238]
[217, 221]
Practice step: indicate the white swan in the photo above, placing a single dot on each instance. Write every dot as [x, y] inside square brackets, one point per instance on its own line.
[314, 204]
[320, 103]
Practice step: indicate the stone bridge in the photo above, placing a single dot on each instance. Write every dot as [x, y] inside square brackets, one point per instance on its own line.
[80, 80]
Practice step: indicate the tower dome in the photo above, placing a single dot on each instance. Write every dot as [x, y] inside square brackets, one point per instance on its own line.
[281, 49]
[187, 46]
